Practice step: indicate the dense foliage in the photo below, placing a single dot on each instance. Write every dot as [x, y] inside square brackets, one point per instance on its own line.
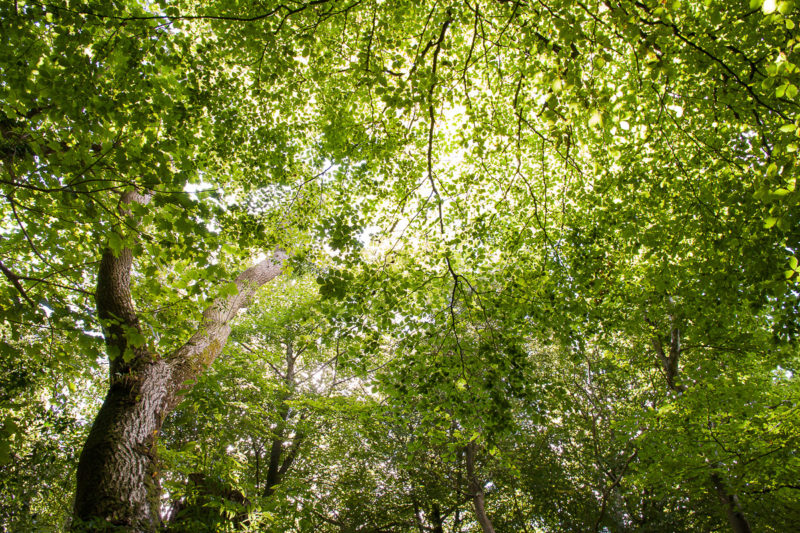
[542, 276]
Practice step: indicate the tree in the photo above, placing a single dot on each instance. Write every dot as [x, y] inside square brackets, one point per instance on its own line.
[117, 470]
[45, 419]
[64, 158]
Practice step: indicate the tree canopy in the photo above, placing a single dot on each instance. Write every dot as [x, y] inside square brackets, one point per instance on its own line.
[527, 265]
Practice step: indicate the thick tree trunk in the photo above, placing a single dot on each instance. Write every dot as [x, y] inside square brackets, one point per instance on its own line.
[117, 478]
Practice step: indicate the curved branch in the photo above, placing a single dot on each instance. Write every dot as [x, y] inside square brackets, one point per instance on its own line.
[14, 279]
[190, 360]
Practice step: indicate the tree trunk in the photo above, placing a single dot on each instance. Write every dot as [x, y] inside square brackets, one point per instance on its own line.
[437, 519]
[117, 478]
[669, 363]
[279, 463]
[273, 472]
[476, 491]
[733, 512]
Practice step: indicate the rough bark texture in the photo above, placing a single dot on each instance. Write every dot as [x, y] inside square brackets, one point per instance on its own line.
[476, 491]
[117, 481]
[190, 360]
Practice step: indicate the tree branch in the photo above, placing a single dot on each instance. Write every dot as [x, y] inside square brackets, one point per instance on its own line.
[14, 279]
[476, 490]
[113, 297]
[191, 360]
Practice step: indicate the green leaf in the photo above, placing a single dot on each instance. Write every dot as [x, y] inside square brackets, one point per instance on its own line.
[229, 289]
[115, 243]
[5, 450]
[772, 169]
[135, 339]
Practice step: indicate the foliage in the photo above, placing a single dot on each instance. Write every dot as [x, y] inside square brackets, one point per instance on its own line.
[563, 235]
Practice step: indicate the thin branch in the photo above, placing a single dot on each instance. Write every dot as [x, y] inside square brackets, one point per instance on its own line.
[14, 279]
[229, 18]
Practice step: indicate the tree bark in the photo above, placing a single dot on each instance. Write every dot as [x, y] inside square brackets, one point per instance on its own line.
[476, 491]
[281, 460]
[730, 502]
[437, 519]
[117, 481]
[669, 362]
[117, 477]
